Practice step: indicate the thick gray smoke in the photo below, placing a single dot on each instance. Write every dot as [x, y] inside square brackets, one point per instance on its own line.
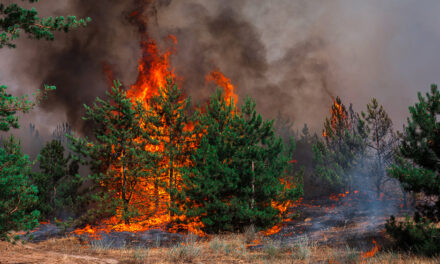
[291, 56]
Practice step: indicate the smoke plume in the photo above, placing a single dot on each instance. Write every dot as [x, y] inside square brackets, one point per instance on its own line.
[292, 57]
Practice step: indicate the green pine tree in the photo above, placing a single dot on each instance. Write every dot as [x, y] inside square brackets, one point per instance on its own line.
[57, 181]
[342, 149]
[417, 168]
[15, 19]
[18, 197]
[237, 170]
[17, 194]
[117, 155]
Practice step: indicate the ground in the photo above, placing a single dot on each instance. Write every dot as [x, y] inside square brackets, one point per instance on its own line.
[224, 249]
[346, 228]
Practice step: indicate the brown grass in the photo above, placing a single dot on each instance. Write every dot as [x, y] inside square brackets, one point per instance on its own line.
[218, 249]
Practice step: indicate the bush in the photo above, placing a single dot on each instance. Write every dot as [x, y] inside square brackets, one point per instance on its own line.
[302, 249]
[418, 235]
[273, 249]
[186, 252]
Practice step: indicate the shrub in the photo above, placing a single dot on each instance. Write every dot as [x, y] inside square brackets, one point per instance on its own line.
[418, 235]
[186, 252]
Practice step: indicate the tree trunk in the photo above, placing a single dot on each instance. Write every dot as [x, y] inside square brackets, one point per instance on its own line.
[253, 187]
[156, 194]
[124, 193]
[171, 183]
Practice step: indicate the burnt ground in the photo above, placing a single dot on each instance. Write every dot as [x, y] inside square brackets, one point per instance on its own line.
[353, 220]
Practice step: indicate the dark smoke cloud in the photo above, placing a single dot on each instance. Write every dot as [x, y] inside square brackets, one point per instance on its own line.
[291, 56]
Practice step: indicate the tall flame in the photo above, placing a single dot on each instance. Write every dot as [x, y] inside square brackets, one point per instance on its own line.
[225, 83]
[338, 117]
[153, 70]
[151, 198]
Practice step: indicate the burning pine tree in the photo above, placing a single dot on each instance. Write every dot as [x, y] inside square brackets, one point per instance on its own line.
[117, 155]
[342, 149]
[140, 181]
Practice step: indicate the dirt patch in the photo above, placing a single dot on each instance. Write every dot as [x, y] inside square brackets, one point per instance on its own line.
[20, 253]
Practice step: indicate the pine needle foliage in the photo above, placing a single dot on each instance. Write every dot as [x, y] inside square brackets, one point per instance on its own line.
[417, 168]
[117, 155]
[15, 19]
[342, 149]
[18, 196]
[237, 170]
[168, 122]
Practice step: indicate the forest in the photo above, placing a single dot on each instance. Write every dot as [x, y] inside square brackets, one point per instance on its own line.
[157, 177]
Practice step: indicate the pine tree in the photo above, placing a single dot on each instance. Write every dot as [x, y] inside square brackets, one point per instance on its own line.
[117, 155]
[57, 181]
[168, 123]
[235, 180]
[304, 155]
[18, 196]
[381, 143]
[10, 105]
[15, 18]
[342, 149]
[417, 168]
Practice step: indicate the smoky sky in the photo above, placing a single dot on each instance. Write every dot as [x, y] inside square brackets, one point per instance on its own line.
[291, 56]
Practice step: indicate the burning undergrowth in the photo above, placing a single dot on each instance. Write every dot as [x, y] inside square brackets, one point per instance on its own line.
[356, 219]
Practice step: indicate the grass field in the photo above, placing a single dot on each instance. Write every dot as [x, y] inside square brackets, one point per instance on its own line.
[217, 249]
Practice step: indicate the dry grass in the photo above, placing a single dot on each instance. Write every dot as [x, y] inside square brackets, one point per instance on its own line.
[218, 249]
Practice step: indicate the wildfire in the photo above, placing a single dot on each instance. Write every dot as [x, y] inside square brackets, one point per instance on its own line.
[282, 208]
[151, 198]
[153, 70]
[225, 83]
[339, 117]
[372, 252]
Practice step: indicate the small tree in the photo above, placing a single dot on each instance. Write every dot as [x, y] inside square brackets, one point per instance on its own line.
[342, 149]
[381, 143]
[237, 172]
[57, 181]
[118, 157]
[18, 197]
[417, 168]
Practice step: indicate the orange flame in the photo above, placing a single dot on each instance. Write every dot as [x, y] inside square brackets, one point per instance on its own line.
[225, 83]
[151, 198]
[338, 116]
[372, 252]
